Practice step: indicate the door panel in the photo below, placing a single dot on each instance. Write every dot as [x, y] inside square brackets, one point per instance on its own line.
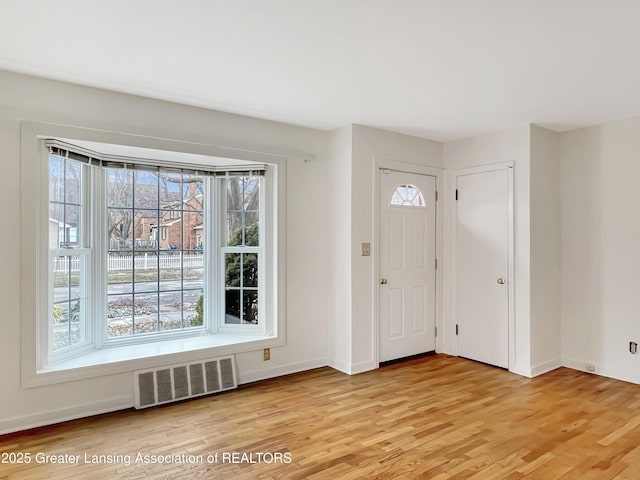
[483, 221]
[407, 263]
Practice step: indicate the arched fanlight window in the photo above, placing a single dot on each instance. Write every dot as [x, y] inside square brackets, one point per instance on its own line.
[407, 196]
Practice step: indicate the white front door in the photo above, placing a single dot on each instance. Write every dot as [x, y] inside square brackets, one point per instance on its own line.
[483, 235]
[407, 283]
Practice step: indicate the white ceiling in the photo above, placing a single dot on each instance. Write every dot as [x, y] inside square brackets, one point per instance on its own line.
[439, 69]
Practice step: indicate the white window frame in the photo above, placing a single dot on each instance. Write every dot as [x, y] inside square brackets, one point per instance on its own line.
[86, 267]
[263, 324]
[102, 340]
[36, 370]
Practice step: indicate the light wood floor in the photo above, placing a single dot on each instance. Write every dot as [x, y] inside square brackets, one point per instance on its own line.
[435, 417]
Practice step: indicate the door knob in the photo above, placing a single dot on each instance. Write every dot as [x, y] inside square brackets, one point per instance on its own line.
[501, 281]
[383, 281]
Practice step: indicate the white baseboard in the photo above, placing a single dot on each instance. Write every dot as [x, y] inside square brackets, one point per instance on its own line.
[623, 374]
[545, 367]
[525, 371]
[354, 368]
[576, 364]
[26, 422]
[340, 366]
[444, 348]
[280, 370]
[363, 367]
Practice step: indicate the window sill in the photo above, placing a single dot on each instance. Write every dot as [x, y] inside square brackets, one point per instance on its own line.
[129, 358]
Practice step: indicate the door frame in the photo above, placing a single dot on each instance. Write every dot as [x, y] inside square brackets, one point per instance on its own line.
[453, 270]
[380, 164]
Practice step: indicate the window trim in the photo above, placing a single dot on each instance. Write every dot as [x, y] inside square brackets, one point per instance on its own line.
[264, 326]
[35, 372]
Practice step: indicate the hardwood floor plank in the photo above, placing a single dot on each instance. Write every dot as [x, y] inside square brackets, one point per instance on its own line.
[436, 417]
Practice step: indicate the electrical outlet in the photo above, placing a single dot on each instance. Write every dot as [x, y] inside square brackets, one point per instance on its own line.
[590, 367]
[267, 354]
[633, 347]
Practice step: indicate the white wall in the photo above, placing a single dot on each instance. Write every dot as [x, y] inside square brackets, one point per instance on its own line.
[369, 144]
[545, 250]
[507, 145]
[601, 248]
[308, 238]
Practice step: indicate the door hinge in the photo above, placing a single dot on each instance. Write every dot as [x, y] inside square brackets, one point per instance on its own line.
[456, 328]
[436, 195]
[436, 263]
[456, 194]
[436, 331]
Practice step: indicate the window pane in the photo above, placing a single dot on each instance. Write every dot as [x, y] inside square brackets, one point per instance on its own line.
[61, 280]
[234, 228]
[56, 224]
[232, 306]
[407, 196]
[250, 270]
[170, 270]
[193, 230]
[120, 229]
[145, 230]
[171, 230]
[171, 310]
[71, 228]
[194, 308]
[193, 193]
[170, 190]
[69, 306]
[232, 269]
[145, 273]
[252, 229]
[145, 313]
[235, 194]
[193, 270]
[119, 266]
[145, 192]
[60, 326]
[73, 170]
[119, 188]
[250, 306]
[191, 297]
[78, 308]
[251, 193]
[119, 315]
[56, 178]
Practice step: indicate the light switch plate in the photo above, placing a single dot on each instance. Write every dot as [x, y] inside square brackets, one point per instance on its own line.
[366, 249]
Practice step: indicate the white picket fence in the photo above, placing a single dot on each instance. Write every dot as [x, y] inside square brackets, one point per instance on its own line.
[142, 262]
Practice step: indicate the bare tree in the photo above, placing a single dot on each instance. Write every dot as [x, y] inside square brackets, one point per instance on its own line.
[242, 205]
[120, 199]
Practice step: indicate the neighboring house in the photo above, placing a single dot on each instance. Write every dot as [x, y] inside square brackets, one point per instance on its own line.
[180, 227]
[181, 223]
[60, 232]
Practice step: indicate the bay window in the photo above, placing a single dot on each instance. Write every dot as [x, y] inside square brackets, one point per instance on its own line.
[143, 250]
